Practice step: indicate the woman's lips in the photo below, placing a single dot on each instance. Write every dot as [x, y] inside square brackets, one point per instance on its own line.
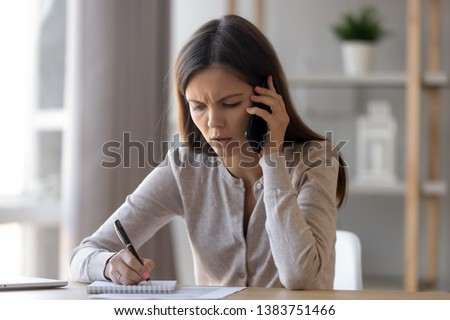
[222, 142]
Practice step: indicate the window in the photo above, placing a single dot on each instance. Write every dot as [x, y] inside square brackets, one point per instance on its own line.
[17, 62]
[31, 127]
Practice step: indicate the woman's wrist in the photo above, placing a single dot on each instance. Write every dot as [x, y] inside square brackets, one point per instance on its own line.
[106, 266]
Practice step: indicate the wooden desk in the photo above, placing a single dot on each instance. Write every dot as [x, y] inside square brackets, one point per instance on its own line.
[77, 291]
[284, 294]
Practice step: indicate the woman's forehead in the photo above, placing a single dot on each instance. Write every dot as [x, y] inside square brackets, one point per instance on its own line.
[215, 80]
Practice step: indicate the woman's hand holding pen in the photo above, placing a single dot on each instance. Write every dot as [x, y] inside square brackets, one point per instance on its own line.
[277, 121]
[125, 268]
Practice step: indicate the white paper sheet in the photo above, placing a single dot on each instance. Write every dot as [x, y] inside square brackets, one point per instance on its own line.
[181, 293]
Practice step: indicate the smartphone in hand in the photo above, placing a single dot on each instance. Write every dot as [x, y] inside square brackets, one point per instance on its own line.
[257, 128]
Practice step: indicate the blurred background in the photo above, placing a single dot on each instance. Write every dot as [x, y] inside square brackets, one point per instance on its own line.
[76, 75]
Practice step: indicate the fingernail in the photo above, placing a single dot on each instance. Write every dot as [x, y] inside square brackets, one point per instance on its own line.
[146, 275]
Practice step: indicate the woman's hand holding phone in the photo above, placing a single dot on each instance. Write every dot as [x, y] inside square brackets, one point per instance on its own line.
[277, 121]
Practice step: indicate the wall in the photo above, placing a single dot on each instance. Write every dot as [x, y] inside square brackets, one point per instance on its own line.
[378, 220]
[300, 32]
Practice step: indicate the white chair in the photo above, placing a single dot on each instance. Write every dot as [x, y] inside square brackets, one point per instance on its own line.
[348, 271]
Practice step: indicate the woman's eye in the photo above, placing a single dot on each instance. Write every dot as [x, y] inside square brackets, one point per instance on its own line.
[197, 107]
[232, 105]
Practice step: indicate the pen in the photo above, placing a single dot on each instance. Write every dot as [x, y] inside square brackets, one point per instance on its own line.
[126, 241]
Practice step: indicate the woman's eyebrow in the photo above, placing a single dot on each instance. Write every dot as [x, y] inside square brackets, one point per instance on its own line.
[219, 100]
[230, 96]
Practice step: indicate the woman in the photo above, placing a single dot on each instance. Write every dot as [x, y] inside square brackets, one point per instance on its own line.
[254, 219]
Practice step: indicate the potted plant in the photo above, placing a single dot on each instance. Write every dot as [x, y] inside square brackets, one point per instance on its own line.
[358, 33]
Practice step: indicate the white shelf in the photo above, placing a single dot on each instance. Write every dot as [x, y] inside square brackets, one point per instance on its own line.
[436, 188]
[49, 120]
[30, 211]
[339, 80]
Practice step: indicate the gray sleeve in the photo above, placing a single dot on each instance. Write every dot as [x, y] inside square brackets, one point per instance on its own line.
[152, 205]
[301, 218]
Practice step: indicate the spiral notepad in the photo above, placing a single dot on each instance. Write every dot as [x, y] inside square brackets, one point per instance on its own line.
[157, 286]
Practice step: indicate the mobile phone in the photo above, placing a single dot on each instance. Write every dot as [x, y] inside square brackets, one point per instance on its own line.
[257, 128]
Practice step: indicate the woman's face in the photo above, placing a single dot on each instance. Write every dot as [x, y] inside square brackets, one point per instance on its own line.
[218, 100]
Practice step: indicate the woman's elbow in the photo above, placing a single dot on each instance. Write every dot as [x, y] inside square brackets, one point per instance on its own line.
[298, 282]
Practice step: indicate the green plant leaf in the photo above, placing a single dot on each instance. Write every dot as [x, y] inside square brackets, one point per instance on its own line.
[365, 25]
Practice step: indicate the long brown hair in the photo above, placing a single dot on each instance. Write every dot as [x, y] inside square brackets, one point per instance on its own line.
[237, 44]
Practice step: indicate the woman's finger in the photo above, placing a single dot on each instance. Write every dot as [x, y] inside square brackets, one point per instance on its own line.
[124, 268]
[270, 84]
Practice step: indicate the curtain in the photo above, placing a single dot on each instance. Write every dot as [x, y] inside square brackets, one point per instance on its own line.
[117, 61]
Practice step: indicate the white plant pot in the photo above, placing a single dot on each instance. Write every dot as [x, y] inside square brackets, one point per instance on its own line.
[357, 57]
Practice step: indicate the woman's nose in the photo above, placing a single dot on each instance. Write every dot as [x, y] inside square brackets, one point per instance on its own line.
[215, 118]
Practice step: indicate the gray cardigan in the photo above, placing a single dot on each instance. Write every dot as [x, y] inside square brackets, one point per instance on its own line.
[290, 236]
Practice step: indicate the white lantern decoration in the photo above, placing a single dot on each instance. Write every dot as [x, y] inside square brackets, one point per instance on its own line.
[376, 136]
